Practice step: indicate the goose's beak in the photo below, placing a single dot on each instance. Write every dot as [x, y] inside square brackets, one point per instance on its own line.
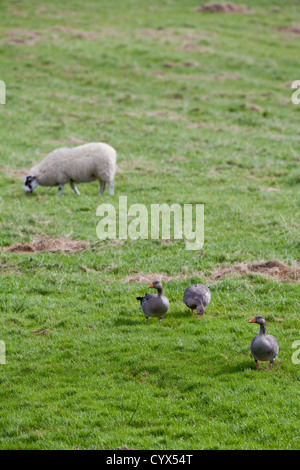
[252, 321]
[151, 285]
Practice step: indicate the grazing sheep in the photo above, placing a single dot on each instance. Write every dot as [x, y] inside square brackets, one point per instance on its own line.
[80, 164]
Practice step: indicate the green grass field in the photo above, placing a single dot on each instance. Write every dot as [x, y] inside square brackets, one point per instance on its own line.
[198, 106]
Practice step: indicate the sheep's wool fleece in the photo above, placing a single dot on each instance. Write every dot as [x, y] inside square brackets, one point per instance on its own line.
[78, 164]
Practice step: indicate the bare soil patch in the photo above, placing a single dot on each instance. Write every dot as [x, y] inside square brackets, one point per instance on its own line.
[188, 63]
[226, 7]
[19, 173]
[255, 107]
[221, 77]
[143, 278]
[21, 37]
[70, 140]
[79, 33]
[53, 245]
[41, 332]
[290, 29]
[276, 269]
[269, 190]
[174, 35]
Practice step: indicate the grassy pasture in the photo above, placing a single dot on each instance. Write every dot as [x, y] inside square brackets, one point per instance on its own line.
[198, 106]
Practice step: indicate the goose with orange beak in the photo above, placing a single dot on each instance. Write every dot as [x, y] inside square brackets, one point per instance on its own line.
[154, 305]
[263, 347]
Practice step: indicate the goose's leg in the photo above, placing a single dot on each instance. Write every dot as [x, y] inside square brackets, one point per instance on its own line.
[160, 319]
[74, 187]
[102, 187]
[270, 365]
[60, 189]
[192, 311]
[256, 365]
[147, 319]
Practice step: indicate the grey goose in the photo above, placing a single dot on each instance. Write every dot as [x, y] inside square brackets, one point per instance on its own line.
[197, 297]
[154, 305]
[263, 347]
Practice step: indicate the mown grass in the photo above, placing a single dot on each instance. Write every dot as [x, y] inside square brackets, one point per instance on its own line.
[100, 377]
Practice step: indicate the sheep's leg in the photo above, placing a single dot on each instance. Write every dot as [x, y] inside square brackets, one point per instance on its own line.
[74, 187]
[102, 187]
[111, 188]
[60, 189]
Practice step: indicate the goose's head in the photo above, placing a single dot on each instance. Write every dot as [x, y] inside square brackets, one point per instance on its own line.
[156, 285]
[200, 309]
[258, 319]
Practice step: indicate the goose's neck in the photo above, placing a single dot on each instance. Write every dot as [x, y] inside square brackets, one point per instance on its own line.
[159, 291]
[263, 329]
[198, 301]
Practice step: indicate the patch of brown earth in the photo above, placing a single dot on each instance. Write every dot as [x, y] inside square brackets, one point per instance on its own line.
[195, 47]
[16, 12]
[70, 140]
[142, 278]
[21, 37]
[255, 107]
[221, 77]
[79, 33]
[20, 173]
[53, 245]
[177, 158]
[44, 10]
[226, 7]
[188, 63]
[182, 39]
[31, 37]
[276, 269]
[290, 29]
[198, 125]
[172, 35]
[273, 268]
[269, 190]
[41, 332]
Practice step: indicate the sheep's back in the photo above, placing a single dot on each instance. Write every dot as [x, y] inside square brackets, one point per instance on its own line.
[79, 164]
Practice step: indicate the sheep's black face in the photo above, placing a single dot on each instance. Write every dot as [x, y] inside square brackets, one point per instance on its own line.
[30, 184]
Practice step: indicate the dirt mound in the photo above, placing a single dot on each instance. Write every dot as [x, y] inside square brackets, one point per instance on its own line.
[276, 269]
[53, 245]
[226, 7]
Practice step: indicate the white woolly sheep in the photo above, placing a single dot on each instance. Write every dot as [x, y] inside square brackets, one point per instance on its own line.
[80, 164]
